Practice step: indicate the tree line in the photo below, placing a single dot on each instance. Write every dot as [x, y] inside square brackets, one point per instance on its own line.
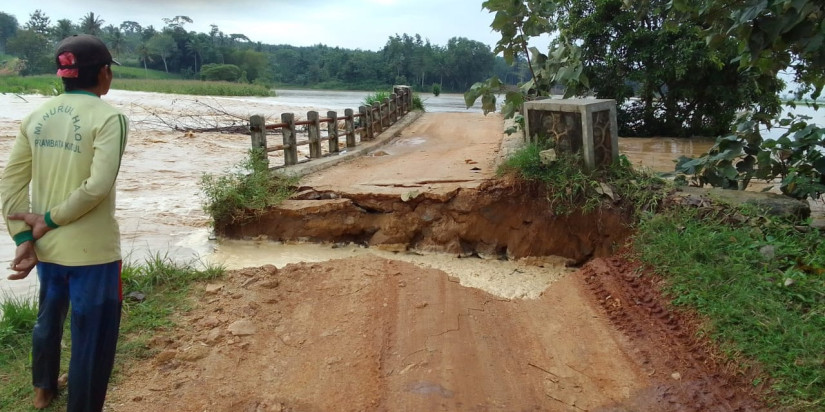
[405, 59]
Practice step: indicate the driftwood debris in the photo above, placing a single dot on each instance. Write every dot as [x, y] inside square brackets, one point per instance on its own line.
[193, 116]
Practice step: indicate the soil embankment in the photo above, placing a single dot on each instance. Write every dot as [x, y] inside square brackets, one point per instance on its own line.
[371, 333]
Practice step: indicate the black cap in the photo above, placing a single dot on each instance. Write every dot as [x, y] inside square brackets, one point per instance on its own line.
[81, 50]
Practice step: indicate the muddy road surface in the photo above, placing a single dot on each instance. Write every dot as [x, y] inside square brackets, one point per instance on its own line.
[383, 332]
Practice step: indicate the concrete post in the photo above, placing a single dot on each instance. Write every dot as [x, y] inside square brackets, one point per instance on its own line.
[349, 125]
[314, 127]
[257, 128]
[332, 131]
[290, 143]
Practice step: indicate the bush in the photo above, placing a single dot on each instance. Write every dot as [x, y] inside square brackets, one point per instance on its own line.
[241, 193]
[436, 89]
[377, 97]
[221, 72]
[417, 103]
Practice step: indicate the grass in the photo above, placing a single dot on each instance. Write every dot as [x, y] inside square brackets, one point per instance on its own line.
[244, 190]
[46, 85]
[571, 188]
[193, 87]
[129, 72]
[166, 286]
[760, 285]
[135, 79]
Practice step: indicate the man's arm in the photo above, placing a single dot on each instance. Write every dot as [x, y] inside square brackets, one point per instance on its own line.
[14, 188]
[108, 151]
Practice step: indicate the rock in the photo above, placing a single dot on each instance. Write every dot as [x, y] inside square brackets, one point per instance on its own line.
[165, 356]
[772, 203]
[194, 353]
[213, 288]
[547, 156]
[136, 297]
[269, 284]
[392, 247]
[243, 327]
[676, 376]
[421, 305]
[214, 335]
[210, 322]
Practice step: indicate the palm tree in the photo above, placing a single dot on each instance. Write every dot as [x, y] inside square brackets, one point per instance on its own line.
[196, 46]
[91, 24]
[116, 41]
[144, 54]
[62, 29]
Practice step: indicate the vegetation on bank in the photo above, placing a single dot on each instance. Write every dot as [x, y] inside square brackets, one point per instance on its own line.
[758, 281]
[130, 78]
[194, 87]
[585, 191]
[244, 190]
[153, 292]
[168, 45]
[46, 85]
[760, 284]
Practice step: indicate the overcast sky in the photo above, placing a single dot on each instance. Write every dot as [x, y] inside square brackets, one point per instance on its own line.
[352, 24]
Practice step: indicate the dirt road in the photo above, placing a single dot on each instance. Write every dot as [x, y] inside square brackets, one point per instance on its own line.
[371, 333]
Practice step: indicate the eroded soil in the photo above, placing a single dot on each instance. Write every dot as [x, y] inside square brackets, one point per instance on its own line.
[377, 333]
[369, 333]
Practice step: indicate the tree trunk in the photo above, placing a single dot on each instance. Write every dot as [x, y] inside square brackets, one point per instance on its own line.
[165, 67]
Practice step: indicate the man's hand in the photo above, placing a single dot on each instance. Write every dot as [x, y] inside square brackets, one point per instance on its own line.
[25, 259]
[37, 223]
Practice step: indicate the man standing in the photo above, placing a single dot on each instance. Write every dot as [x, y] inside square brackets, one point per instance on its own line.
[67, 154]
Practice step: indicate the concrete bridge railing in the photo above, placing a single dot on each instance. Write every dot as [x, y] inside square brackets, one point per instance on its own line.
[368, 123]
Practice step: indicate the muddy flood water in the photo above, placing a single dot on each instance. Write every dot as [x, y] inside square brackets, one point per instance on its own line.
[159, 201]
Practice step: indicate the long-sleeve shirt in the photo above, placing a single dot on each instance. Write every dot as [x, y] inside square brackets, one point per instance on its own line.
[67, 154]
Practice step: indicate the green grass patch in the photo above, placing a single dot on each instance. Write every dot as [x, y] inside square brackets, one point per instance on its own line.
[47, 85]
[166, 287]
[571, 188]
[129, 72]
[246, 189]
[193, 87]
[16, 323]
[762, 287]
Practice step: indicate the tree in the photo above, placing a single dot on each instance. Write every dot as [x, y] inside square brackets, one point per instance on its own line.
[91, 24]
[33, 48]
[131, 27]
[197, 46]
[221, 72]
[602, 48]
[467, 61]
[773, 36]
[38, 23]
[62, 29]
[8, 28]
[145, 56]
[116, 40]
[163, 45]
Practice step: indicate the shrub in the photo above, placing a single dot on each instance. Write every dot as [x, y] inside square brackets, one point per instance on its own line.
[247, 190]
[221, 72]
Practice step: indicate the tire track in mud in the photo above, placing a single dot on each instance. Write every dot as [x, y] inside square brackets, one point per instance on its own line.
[686, 370]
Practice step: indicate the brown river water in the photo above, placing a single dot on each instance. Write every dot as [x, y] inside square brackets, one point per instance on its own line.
[158, 195]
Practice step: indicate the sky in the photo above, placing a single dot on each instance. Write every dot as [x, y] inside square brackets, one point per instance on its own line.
[351, 24]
